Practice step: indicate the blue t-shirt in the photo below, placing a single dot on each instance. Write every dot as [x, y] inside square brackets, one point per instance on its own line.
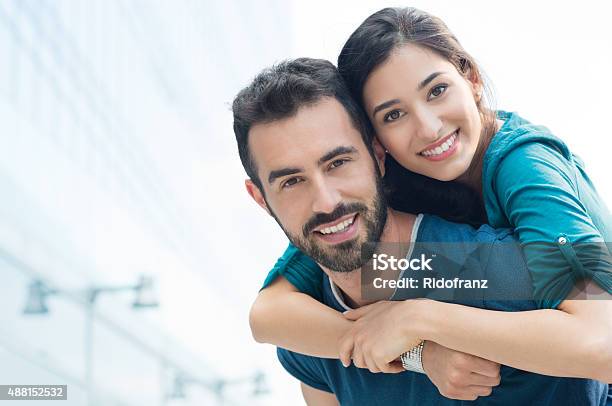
[503, 268]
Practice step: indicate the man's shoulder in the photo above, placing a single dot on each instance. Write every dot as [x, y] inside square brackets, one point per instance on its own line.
[305, 368]
[486, 254]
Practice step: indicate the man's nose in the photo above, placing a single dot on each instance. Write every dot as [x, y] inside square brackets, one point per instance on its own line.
[428, 125]
[325, 197]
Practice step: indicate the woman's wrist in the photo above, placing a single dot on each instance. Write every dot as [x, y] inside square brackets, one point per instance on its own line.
[420, 316]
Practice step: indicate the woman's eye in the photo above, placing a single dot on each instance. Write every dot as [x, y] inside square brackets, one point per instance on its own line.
[392, 116]
[437, 91]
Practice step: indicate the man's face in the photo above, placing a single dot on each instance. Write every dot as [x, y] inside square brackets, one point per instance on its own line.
[321, 183]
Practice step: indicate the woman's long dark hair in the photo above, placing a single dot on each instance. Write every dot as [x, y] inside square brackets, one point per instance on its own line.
[369, 46]
[411, 192]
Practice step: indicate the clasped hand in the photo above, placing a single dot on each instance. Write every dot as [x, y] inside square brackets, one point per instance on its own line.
[378, 337]
[381, 332]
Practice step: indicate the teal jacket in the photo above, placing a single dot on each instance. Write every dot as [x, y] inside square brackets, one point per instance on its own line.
[532, 183]
[535, 185]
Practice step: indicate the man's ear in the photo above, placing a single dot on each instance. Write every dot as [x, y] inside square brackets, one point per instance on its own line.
[380, 154]
[256, 194]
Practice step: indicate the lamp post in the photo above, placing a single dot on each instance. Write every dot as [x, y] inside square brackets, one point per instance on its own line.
[36, 303]
[258, 380]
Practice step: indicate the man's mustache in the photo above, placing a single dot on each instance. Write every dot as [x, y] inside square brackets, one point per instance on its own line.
[339, 211]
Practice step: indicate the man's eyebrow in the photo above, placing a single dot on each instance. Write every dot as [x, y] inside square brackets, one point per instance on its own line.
[335, 152]
[279, 173]
[420, 87]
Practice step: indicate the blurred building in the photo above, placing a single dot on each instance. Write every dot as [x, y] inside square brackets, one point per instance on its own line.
[112, 117]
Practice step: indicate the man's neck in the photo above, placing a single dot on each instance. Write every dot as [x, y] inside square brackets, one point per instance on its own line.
[398, 229]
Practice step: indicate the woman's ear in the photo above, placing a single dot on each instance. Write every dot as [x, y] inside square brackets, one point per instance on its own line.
[475, 81]
[256, 194]
[477, 89]
[380, 154]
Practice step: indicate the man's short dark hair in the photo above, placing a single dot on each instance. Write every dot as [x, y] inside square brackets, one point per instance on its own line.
[280, 91]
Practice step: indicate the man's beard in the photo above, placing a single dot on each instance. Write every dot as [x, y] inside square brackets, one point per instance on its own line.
[349, 255]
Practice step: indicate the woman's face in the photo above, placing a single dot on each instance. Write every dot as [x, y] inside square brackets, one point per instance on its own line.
[424, 112]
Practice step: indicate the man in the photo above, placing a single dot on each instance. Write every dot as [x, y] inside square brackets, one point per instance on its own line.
[314, 167]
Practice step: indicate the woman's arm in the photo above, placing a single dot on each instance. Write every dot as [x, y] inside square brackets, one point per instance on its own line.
[285, 317]
[574, 341]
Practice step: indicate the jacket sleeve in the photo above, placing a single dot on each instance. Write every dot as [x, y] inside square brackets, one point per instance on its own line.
[300, 270]
[537, 189]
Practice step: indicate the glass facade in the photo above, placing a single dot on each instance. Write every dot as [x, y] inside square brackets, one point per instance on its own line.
[114, 128]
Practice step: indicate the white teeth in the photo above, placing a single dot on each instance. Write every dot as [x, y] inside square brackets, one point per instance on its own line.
[442, 148]
[338, 227]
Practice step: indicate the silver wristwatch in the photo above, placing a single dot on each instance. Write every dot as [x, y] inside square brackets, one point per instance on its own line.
[413, 360]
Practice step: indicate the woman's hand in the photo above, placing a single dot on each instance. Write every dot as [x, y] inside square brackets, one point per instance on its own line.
[380, 334]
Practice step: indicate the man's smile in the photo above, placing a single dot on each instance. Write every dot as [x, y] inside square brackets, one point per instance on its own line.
[338, 231]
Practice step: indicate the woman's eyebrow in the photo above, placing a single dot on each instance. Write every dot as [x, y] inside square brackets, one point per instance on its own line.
[428, 80]
[384, 105]
[420, 87]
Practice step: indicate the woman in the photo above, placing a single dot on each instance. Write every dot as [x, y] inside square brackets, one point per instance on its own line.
[424, 96]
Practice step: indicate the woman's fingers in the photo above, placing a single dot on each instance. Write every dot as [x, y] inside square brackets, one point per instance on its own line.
[358, 359]
[393, 367]
[378, 359]
[346, 349]
[371, 364]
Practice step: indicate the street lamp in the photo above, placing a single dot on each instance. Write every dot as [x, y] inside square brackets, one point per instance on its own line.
[36, 303]
[181, 381]
[38, 292]
[37, 296]
[146, 296]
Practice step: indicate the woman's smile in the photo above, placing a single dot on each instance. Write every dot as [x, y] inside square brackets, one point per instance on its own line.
[441, 149]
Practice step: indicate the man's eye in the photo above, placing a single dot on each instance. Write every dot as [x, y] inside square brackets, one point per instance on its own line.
[337, 163]
[392, 116]
[290, 182]
[437, 91]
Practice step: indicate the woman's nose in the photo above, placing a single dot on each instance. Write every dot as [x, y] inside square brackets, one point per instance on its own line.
[428, 125]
